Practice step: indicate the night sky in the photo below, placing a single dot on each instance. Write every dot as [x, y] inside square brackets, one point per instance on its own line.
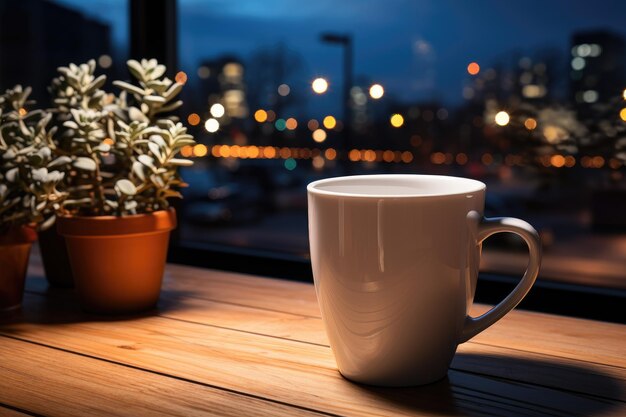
[418, 50]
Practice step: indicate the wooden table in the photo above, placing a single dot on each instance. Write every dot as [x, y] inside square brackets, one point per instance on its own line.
[236, 345]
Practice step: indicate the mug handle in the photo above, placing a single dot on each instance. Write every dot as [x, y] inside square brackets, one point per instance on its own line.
[486, 227]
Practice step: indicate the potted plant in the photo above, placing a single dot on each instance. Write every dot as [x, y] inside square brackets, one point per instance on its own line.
[29, 175]
[116, 220]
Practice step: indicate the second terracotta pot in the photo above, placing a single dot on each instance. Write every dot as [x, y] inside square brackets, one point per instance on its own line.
[15, 244]
[118, 262]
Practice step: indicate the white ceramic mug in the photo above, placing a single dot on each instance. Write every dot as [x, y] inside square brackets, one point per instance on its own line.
[395, 261]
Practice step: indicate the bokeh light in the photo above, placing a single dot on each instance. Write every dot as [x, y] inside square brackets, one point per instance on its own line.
[376, 91]
[396, 120]
[181, 77]
[200, 150]
[530, 123]
[193, 119]
[330, 122]
[313, 124]
[319, 85]
[290, 164]
[212, 125]
[204, 72]
[330, 154]
[622, 114]
[217, 110]
[473, 68]
[280, 124]
[502, 118]
[319, 135]
[105, 61]
[284, 90]
[186, 151]
[260, 115]
[291, 123]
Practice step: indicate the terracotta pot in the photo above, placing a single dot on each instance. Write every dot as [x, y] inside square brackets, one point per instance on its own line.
[15, 247]
[56, 262]
[118, 262]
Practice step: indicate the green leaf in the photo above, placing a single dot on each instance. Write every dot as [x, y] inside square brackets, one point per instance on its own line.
[136, 69]
[61, 160]
[126, 187]
[154, 99]
[154, 148]
[11, 175]
[129, 87]
[146, 160]
[181, 162]
[136, 115]
[84, 163]
[138, 170]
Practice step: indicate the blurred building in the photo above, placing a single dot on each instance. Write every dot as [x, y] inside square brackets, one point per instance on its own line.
[598, 67]
[37, 36]
[222, 81]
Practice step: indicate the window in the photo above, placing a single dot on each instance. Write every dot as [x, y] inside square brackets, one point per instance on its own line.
[528, 97]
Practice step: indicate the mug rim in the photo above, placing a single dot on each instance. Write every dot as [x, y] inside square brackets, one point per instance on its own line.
[472, 186]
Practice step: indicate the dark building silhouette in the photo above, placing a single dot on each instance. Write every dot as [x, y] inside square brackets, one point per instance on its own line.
[598, 67]
[37, 36]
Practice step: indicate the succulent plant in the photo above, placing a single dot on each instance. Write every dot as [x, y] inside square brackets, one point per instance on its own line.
[123, 147]
[30, 170]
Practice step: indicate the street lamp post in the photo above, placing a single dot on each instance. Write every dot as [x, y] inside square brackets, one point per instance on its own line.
[345, 41]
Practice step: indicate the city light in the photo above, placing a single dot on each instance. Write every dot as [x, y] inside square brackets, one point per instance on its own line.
[376, 91]
[193, 119]
[502, 118]
[291, 164]
[530, 123]
[318, 162]
[211, 125]
[260, 115]
[590, 96]
[280, 124]
[557, 161]
[181, 77]
[284, 90]
[271, 115]
[319, 85]
[105, 61]
[204, 72]
[624, 93]
[330, 122]
[473, 68]
[291, 123]
[396, 120]
[319, 135]
[330, 154]
[578, 63]
[186, 151]
[217, 110]
[200, 150]
[313, 124]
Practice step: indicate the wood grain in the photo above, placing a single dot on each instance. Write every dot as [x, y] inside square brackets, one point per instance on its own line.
[298, 373]
[260, 342]
[309, 329]
[572, 338]
[65, 384]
